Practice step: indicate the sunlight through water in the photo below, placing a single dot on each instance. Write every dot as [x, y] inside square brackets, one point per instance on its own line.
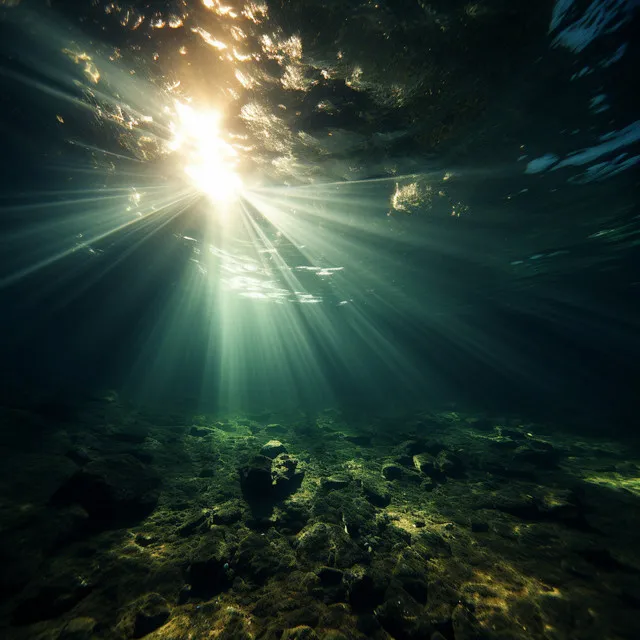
[209, 161]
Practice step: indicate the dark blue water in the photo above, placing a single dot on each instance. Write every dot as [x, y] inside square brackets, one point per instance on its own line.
[439, 205]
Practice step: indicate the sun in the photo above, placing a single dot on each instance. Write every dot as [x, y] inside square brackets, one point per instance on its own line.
[209, 161]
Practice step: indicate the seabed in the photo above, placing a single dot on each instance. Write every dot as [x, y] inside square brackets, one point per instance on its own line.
[117, 522]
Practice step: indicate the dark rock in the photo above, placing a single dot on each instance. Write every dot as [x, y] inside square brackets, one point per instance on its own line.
[195, 524]
[405, 461]
[152, 614]
[334, 483]
[112, 490]
[400, 616]
[272, 449]
[78, 629]
[465, 626]
[602, 559]
[342, 508]
[503, 443]
[207, 578]
[292, 517]
[255, 480]
[411, 448]
[51, 600]
[330, 545]
[332, 588]
[329, 577]
[144, 539]
[262, 556]
[368, 625]
[287, 478]
[199, 432]
[80, 456]
[425, 463]
[483, 424]
[226, 513]
[538, 453]
[366, 588]
[479, 527]
[411, 573]
[301, 632]
[514, 434]
[428, 484]
[376, 494]
[185, 594]
[392, 471]
[449, 464]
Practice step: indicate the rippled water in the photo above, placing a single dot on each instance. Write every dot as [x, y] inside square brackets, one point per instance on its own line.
[249, 203]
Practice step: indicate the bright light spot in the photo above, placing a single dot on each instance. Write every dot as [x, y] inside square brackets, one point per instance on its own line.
[210, 162]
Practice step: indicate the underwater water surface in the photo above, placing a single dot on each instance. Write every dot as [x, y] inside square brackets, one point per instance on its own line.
[319, 319]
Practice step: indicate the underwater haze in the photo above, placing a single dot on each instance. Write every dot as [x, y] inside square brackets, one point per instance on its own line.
[319, 319]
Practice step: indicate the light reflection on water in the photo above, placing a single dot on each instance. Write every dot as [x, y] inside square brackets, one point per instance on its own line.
[275, 129]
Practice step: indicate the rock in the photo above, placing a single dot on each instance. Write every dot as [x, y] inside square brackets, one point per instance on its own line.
[425, 463]
[144, 539]
[329, 576]
[195, 524]
[539, 453]
[514, 434]
[428, 484]
[78, 629]
[376, 494]
[292, 517]
[465, 626]
[449, 464]
[432, 545]
[226, 513]
[392, 471]
[152, 613]
[207, 578]
[328, 544]
[272, 449]
[400, 616]
[366, 589]
[287, 478]
[80, 455]
[331, 588]
[478, 526]
[276, 429]
[261, 557]
[299, 633]
[112, 490]
[411, 573]
[199, 432]
[334, 483]
[411, 448]
[255, 480]
[51, 600]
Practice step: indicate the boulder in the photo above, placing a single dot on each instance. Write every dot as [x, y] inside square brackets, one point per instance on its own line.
[113, 490]
[272, 449]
